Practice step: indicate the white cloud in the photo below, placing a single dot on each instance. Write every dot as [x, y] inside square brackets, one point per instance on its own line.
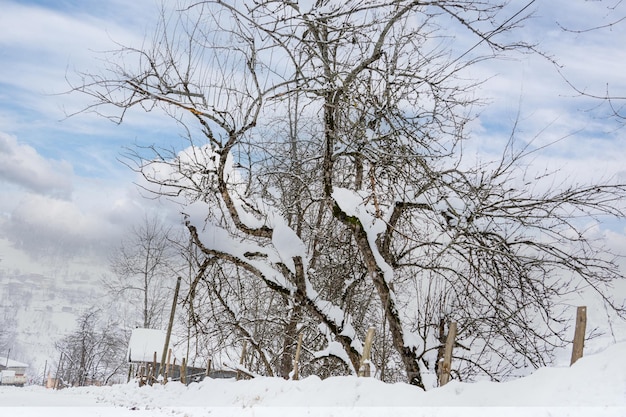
[40, 45]
[37, 228]
[46, 42]
[88, 227]
[528, 90]
[44, 48]
[22, 165]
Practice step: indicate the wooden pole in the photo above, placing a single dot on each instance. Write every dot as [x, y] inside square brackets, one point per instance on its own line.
[169, 326]
[208, 367]
[59, 368]
[183, 371]
[142, 381]
[579, 334]
[241, 361]
[151, 370]
[446, 365]
[167, 367]
[297, 358]
[364, 368]
[45, 368]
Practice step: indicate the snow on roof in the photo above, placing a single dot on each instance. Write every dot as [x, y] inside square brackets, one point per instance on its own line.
[144, 342]
[11, 363]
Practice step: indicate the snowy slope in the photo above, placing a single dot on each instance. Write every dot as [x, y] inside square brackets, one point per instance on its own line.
[594, 386]
[38, 310]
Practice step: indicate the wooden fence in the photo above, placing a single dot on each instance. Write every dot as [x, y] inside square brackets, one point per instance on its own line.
[148, 373]
[577, 349]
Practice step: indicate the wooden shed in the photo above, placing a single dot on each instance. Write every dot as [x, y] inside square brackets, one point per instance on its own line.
[12, 372]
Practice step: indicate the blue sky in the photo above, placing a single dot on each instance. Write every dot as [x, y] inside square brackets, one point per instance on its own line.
[64, 195]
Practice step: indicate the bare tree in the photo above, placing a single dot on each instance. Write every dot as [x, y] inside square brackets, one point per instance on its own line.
[4, 339]
[329, 186]
[94, 353]
[143, 269]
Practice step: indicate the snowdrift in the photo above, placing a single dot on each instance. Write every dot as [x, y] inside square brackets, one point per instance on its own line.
[594, 386]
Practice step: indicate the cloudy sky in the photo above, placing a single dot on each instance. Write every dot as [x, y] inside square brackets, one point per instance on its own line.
[65, 198]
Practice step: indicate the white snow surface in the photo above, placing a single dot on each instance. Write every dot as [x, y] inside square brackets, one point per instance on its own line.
[593, 386]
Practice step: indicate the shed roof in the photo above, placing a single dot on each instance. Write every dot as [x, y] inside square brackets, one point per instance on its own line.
[10, 363]
[144, 342]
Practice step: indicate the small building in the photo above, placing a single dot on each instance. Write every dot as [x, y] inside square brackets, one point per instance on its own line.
[143, 345]
[12, 372]
[145, 349]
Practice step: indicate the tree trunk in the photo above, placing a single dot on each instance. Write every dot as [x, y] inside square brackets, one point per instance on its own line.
[408, 354]
[291, 329]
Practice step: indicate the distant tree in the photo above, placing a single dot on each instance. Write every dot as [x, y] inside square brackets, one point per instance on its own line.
[144, 270]
[8, 330]
[329, 191]
[94, 353]
[4, 340]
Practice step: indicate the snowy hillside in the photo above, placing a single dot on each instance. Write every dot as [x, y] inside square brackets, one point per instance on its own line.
[594, 386]
[38, 310]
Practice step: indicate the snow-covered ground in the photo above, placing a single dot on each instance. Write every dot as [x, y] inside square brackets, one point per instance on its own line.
[594, 386]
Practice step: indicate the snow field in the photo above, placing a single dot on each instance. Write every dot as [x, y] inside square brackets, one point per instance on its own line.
[594, 386]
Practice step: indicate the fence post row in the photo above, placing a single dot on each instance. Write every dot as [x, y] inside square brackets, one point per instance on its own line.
[148, 375]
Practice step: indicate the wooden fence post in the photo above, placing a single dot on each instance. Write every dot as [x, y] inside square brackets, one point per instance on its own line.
[169, 326]
[167, 367]
[579, 334]
[45, 368]
[364, 368]
[208, 367]
[242, 360]
[59, 370]
[183, 371]
[297, 358]
[446, 365]
[142, 381]
[153, 370]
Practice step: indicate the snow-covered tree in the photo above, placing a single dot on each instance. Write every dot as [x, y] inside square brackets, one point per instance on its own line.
[326, 188]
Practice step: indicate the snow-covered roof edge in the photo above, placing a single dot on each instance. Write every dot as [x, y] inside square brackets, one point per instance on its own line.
[11, 363]
[144, 342]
